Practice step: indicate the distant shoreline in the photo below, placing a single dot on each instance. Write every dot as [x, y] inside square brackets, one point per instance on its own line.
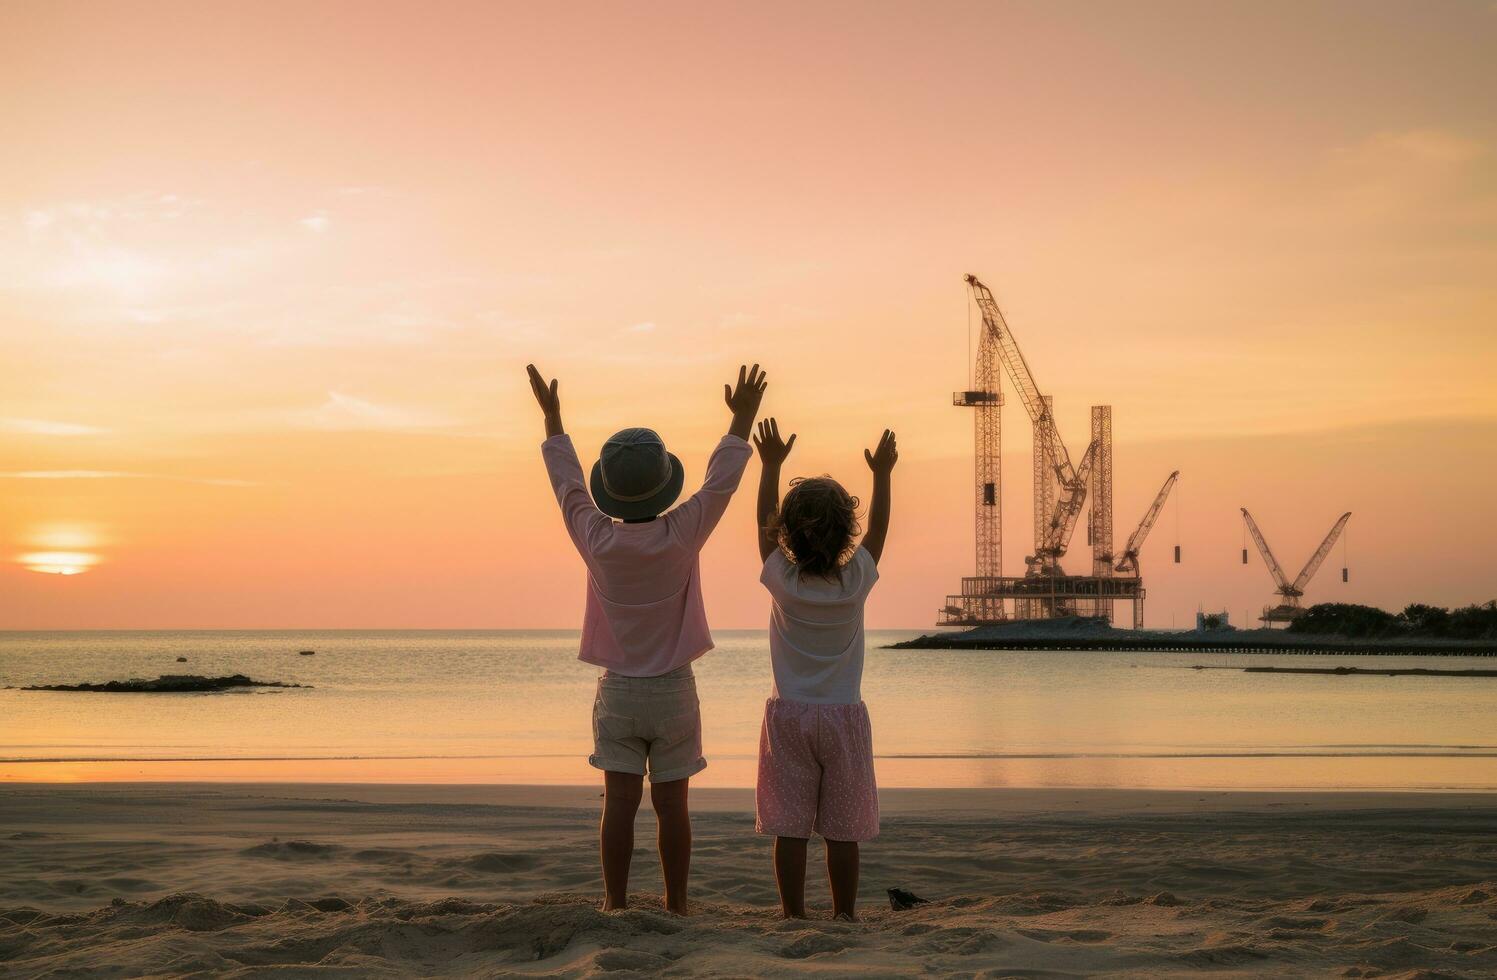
[1081, 635]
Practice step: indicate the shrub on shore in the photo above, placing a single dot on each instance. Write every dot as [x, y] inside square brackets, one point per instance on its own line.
[1474, 622]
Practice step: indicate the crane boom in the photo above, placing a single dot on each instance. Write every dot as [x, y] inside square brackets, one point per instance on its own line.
[1268, 558]
[1063, 521]
[1313, 565]
[1018, 371]
[1129, 559]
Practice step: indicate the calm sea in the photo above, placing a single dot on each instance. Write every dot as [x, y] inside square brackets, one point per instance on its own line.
[514, 707]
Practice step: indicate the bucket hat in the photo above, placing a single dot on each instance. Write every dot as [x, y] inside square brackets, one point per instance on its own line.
[634, 476]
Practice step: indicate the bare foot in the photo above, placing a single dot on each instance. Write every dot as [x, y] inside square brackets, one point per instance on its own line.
[611, 907]
[845, 917]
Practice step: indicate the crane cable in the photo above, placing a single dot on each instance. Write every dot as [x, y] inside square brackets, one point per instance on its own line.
[971, 368]
[1176, 503]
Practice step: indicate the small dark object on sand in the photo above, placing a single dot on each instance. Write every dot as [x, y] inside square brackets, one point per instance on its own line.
[900, 900]
[181, 660]
[308, 653]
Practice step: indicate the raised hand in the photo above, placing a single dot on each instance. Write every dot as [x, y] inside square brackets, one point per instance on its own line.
[881, 460]
[772, 452]
[746, 395]
[743, 400]
[772, 449]
[547, 398]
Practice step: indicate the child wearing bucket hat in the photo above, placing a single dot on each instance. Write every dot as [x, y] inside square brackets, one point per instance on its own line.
[644, 622]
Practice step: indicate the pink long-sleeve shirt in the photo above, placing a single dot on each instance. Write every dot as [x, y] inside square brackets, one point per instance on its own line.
[644, 614]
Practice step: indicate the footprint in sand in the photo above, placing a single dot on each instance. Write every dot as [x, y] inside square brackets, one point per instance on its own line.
[1294, 924]
[384, 855]
[613, 960]
[291, 850]
[496, 862]
[811, 943]
[1067, 935]
[959, 941]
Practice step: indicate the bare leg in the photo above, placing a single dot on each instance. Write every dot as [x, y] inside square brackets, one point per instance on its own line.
[674, 840]
[842, 869]
[790, 875]
[621, 795]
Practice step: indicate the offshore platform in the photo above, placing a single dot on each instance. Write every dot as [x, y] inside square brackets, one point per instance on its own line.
[1061, 490]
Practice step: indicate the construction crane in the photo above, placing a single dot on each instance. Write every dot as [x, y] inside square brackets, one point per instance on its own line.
[1128, 560]
[987, 402]
[1053, 537]
[1290, 609]
[1062, 488]
[1067, 509]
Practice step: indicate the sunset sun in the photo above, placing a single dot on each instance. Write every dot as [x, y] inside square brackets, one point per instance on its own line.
[59, 562]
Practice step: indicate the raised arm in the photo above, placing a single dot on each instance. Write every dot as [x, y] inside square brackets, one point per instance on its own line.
[881, 461]
[772, 453]
[548, 399]
[695, 519]
[743, 400]
[585, 523]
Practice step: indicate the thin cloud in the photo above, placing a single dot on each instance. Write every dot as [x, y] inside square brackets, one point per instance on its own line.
[346, 412]
[49, 427]
[67, 475]
[647, 326]
[1438, 145]
[121, 475]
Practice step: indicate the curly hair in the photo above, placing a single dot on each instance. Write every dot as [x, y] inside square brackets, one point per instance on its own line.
[817, 525]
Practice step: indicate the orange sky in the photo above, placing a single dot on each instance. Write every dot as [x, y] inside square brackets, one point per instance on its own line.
[269, 275]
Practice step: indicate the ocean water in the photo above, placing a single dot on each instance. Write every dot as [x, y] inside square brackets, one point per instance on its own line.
[514, 707]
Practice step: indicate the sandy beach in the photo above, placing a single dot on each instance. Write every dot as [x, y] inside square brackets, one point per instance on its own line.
[245, 880]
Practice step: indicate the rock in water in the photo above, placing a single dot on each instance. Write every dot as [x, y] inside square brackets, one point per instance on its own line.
[165, 684]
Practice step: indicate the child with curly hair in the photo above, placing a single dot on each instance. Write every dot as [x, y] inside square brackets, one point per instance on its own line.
[816, 742]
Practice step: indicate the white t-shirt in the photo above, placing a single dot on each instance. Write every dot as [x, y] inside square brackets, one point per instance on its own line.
[816, 629]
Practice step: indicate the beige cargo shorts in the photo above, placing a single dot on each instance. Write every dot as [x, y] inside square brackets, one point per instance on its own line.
[648, 724]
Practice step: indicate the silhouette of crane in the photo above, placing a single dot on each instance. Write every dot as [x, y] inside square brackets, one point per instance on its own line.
[1289, 610]
[1128, 560]
[1052, 532]
[1061, 489]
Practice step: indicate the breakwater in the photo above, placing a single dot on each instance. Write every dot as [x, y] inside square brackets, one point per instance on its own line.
[1083, 633]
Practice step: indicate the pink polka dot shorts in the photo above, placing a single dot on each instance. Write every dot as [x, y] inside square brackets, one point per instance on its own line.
[816, 772]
